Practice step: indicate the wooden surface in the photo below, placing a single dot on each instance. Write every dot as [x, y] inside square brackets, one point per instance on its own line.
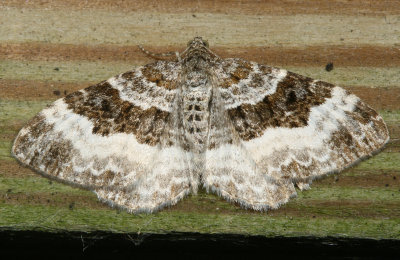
[49, 48]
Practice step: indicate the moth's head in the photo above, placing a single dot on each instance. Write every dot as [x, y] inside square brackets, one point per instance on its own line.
[197, 51]
[198, 42]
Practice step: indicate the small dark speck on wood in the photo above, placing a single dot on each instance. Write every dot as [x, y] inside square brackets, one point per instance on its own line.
[56, 92]
[329, 66]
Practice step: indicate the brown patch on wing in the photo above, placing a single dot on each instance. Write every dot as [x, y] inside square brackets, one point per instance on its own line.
[242, 71]
[346, 148]
[365, 114]
[345, 142]
[153, 74]
[53, 156]
[294, 168]
[108, 179]
[102, 105]
[288, 107]
[23, 142]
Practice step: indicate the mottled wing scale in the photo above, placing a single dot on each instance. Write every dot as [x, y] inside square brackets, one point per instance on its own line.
[117, 138]
[296, 128]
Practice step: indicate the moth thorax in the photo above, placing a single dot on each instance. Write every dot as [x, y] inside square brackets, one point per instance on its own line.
[196, 98]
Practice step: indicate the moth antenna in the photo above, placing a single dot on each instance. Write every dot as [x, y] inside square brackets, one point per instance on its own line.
[160, 56]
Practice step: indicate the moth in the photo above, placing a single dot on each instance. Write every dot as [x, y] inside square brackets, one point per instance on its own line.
[248, 132]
